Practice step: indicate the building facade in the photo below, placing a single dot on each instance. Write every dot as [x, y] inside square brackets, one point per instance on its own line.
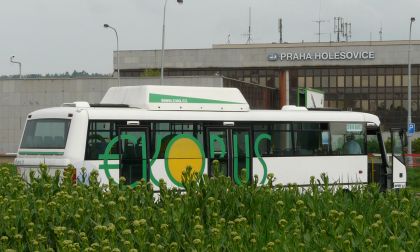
[361, 76]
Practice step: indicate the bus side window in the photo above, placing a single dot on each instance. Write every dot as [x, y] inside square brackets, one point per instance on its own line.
[281, 139]
[311, 139]
[100, 133]
[164, 143]
[166, 131]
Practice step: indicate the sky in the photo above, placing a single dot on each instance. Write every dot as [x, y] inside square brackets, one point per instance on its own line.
[57, 36]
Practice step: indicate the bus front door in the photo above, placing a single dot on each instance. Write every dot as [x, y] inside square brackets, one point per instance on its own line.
[229, 152]
[398, 176]
[377, 159]
[134, 153]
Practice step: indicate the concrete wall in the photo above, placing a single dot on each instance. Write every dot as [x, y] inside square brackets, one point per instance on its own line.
[19, 97]
[255, 55]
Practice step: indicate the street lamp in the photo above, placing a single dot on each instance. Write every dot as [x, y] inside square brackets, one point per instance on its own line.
[118, 52]
[409, 85]
[162, 52]
[20, 65]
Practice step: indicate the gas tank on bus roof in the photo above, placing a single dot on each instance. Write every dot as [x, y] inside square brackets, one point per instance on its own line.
[177, 98]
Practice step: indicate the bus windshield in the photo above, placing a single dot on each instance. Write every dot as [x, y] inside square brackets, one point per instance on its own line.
[46, 134]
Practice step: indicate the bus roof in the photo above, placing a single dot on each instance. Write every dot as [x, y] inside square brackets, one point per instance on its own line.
[178, 103]
[289, 115]
[177, 98]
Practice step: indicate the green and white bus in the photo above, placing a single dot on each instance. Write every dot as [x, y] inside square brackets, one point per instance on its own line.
[155, 132]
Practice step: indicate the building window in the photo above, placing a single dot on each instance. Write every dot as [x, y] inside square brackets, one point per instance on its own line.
[365, 81]
[397, 104]
[365, 105]
[372, 81]
[301, 81]
[405, 106]
[333, 81]
[309, 82]
[254, 76]
[414, 80]
[317, 81]
[381, 104]
[247, 76]
[340, 81]
[356, 81]
[414, 106]
[389, 80]
[389, 104]
[324, 81]
[381, 81]
[348, 81]
[405, 80]
[397, 80]
[240, 75]
[356, 104]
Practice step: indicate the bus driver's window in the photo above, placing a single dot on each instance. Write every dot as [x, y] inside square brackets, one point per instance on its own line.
[351, 146]
[348, 138]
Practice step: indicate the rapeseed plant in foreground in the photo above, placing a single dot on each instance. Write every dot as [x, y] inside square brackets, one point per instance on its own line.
[212, 214]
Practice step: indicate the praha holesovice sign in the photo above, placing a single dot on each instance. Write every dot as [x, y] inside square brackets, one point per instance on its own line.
[305, 56]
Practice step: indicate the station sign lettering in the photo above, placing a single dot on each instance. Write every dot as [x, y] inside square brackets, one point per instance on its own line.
[306, 56]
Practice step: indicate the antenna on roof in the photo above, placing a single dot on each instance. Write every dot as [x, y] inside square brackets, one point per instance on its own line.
[342, 28]
[380, 33]
[281, 30]
[249, 35]
[319, 21]
[347, 31]
[228, 39]
[319, 33]
[338, 27]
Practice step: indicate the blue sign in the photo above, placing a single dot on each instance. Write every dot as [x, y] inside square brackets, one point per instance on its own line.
[411, 129]
[272, 57]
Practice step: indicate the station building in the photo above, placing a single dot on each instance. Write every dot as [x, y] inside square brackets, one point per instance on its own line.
[359, 76]
[367, 76]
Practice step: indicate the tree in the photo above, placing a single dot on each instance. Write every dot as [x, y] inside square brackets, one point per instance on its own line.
[415, 145]
[373, 146]
[151, 73]
[388, 145]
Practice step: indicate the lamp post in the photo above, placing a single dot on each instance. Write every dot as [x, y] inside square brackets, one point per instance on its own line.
[409, 85]
[118, 52]
[162, 52]
[20, 65]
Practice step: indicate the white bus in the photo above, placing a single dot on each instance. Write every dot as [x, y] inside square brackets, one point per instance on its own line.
[155, 132]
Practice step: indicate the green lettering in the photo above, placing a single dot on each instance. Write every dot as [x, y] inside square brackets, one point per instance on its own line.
[236, 158]
[259, 156]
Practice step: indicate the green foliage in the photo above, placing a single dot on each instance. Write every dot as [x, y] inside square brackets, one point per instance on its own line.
[415, 145]
[11, 167]
[388, 146]
[413, 178]
[74, 74]
[372, 146]
[151, 73]
[212, 215]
